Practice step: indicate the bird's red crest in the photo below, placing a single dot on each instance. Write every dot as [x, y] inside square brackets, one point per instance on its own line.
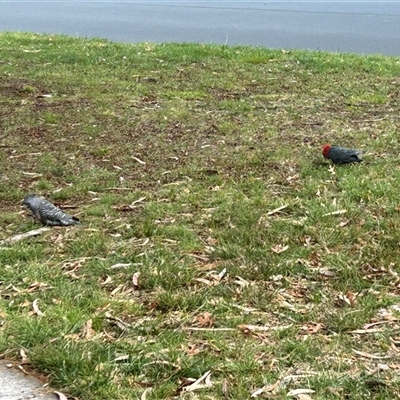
[325, 150]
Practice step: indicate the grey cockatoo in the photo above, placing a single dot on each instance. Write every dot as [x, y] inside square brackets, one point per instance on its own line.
[47, 213]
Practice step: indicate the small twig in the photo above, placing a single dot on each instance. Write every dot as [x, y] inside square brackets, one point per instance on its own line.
[138, 160]
[339, 212]
[119, 188]
[276, 210]
[371, 356]
[26, 154]
[120, 265]
[368, 120]
[372, 330]
[192, 328]
[17, 238]
[258, 328]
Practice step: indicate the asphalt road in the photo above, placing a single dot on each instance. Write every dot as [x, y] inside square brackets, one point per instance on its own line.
[350, 26]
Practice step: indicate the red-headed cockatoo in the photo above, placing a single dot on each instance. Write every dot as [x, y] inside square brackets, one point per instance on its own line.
[340, 155]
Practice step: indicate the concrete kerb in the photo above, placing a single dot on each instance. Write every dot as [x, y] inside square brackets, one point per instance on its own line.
[15, 385]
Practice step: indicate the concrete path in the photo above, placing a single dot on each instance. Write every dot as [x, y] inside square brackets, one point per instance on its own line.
[15, 385]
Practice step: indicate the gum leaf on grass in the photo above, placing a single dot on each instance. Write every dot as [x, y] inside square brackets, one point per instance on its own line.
[313, 327]
[135, 280]
[120, 265]
[144, 394]
[349, 298]
[282, 382]
[278, 249]
[193, 349]
[197, 384]
[24, 358]
[87, 331]
[36, 309]
[205, 320]
[61, 396]
[212, 278]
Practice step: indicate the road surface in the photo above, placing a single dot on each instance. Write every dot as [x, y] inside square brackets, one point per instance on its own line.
[350, 26]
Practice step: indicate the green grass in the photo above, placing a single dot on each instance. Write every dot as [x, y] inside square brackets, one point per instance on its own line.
[212, 139]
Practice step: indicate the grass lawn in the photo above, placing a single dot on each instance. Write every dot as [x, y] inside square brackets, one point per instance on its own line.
[216, 243]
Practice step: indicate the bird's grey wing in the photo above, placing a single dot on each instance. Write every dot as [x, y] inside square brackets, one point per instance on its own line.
[52, 215]
[341, 155]
[351, 152]
[351, 155]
